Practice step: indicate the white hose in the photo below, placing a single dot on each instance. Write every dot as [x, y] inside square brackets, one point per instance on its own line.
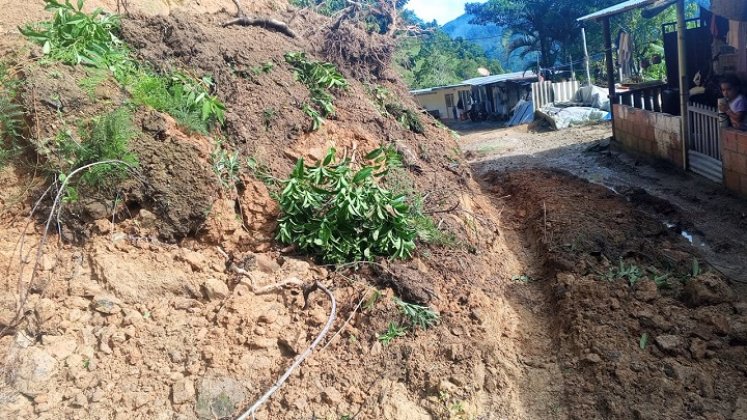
[251, 411]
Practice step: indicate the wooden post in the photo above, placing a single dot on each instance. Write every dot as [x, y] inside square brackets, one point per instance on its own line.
[682, 64]
[586, 58]
[610, 68]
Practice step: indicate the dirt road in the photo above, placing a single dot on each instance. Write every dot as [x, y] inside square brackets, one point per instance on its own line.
[710, 217]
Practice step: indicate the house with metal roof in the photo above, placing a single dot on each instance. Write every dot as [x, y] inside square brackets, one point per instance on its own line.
[442, 101]
[493, 95]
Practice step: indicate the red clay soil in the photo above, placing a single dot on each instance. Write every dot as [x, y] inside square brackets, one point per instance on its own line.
[147, 316]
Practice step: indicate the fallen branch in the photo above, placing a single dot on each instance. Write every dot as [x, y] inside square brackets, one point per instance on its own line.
[243, 20]
[333, 312]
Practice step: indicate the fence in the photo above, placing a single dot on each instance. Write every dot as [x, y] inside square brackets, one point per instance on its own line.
[704, 150]
[544, 93]
[648, 97]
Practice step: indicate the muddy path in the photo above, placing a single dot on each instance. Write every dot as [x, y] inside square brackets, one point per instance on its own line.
[599, 343]
[710, 217]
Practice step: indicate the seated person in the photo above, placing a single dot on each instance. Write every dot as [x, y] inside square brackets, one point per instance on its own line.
[735, 106]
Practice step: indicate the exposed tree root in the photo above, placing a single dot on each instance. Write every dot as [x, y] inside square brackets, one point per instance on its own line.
[244, 20]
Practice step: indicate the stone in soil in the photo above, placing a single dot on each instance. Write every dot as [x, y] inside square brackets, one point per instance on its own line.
[35, 367]
[218, 397]
[215, 289]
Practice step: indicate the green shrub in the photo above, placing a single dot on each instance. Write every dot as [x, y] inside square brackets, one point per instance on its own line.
[320, 78]
[74, 37]
[380, 96]
[11, 116]
[342, 215]
[107, 137]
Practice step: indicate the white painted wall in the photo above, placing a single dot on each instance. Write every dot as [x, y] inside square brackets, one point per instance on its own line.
[437, 100]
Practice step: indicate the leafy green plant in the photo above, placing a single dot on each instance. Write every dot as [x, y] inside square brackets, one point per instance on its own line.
[225, 165]
[268, 115]
[407, 118]
[523, 278]
[695, 271]
[392, 331]
[320, 78]
[264, 68]
[662, 281]
[343, 215]
[74, 36]
[380, 96]
[185, 98]
[417, 315]
[643, 341]
[316, 117]
[632, 273]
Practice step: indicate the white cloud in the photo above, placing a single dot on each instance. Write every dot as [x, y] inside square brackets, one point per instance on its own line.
[441, 10]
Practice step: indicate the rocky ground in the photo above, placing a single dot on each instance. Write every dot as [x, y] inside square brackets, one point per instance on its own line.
[171, 309]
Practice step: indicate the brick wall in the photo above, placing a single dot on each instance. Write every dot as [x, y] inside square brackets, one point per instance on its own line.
[734, 148]
[651, 134]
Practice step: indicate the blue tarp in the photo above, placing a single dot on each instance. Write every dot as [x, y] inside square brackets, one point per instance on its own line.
[523, 114]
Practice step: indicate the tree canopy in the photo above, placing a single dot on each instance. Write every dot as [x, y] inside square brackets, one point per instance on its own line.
[437, 60]
[544, 27]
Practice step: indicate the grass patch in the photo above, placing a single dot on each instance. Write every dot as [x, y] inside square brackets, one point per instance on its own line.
[392, 331]
[11, 116]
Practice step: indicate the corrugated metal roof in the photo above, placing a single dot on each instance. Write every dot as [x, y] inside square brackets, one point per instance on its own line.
[435, 88]
[486, 80]
[617, 9]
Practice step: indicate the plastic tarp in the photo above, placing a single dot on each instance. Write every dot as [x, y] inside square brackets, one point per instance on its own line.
[593, 97]
[560, 118]
[523, 113]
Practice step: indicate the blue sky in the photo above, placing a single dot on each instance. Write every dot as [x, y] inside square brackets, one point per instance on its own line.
[440, 10]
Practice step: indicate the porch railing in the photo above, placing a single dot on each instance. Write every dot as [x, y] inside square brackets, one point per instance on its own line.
[646, 97]
[704, 150]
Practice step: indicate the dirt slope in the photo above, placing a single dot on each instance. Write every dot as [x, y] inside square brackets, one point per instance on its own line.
[146, 316]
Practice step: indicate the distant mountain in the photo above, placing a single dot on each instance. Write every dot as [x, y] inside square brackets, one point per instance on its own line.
[489, 37]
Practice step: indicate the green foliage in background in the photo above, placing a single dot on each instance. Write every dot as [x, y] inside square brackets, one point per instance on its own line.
[436, 60]
[341, 214]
